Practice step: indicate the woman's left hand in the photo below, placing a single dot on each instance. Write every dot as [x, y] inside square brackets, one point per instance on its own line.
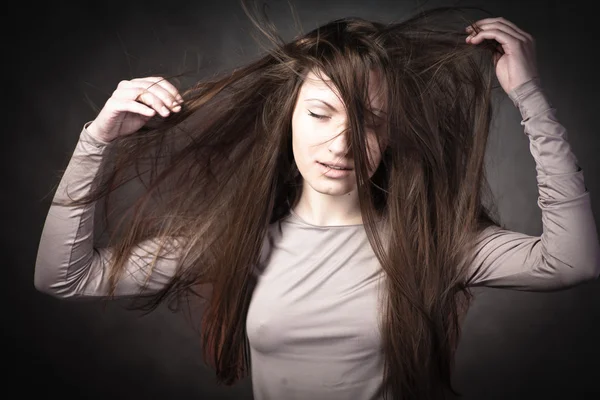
[518, 63]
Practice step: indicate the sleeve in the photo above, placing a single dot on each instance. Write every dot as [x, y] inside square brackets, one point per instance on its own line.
[567, 252]
[67, 264]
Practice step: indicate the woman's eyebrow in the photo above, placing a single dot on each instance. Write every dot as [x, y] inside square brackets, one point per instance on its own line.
[324, 102]
[377, 111]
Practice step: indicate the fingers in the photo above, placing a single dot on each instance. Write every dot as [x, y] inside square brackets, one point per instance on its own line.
[145, 97]
[506, 22]
[156, 93]
[163, 83]
[503, 31]
[501, 36]
[131, 106]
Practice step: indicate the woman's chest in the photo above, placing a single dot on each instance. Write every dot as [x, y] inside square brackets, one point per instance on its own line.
[317, 301]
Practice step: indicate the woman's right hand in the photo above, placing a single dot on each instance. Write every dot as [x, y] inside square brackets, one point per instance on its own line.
[132, 104]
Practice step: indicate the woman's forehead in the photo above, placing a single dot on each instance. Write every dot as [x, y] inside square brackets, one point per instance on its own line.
[319, 83]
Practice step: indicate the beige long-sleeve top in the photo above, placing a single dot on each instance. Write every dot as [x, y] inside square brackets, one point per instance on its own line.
[312, 321]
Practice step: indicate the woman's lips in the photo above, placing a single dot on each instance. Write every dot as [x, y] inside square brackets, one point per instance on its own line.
[333, 166]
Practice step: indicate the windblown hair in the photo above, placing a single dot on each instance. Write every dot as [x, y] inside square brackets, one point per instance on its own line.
[219, 172]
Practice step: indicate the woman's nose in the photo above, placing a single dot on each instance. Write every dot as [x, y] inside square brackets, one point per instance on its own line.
[339, 145]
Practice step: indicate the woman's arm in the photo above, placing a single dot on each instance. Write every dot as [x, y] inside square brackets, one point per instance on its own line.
[568, 250]
[68, 264]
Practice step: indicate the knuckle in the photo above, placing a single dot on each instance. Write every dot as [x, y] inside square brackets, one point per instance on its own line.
[140, 95]
[146, 97]
[123, 83]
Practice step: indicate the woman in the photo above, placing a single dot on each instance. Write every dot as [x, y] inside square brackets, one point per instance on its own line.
[327, 202]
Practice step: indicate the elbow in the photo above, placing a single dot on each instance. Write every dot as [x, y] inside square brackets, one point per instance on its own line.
[39, 282]
[595, 272]
[578, 268]
[576, 275]
[44, 283]
[590, 271]
[589, 276]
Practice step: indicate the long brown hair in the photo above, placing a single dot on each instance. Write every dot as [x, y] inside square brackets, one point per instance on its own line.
[217, 174]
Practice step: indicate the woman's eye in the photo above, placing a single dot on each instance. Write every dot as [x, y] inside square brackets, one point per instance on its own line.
[316, 115]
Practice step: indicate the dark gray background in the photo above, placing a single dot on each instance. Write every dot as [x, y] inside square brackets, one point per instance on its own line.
[62, 58]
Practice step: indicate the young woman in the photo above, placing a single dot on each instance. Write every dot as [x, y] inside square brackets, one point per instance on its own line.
[327, 203]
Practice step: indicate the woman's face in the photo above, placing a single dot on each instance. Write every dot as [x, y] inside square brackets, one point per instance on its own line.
[318, 118]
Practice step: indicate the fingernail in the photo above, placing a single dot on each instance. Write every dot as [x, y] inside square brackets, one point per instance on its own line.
[177, 108]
